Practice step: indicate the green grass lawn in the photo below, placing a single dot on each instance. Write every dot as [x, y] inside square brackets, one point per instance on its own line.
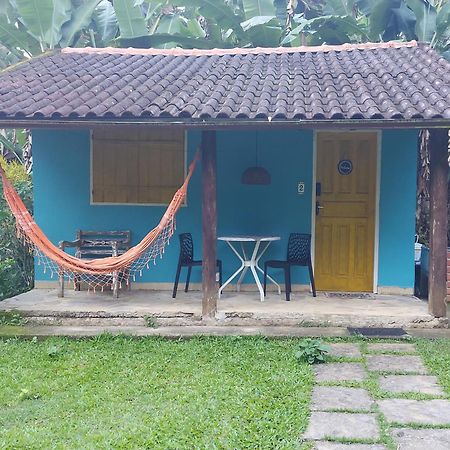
[436, 355]
[152, 393]
[126, 393]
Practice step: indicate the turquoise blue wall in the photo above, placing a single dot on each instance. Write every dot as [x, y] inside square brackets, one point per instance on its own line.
[61, 183]
[397, 208]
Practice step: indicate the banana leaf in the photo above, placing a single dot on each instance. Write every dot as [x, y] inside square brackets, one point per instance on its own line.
[105, 21]
[44, 18]
[131, 20]
[81, 18]
[426, 19]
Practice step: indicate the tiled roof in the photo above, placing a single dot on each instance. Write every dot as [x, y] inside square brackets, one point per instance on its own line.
[389, 81]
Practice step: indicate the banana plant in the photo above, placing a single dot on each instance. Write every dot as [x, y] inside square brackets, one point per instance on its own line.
[185, 23]
[424, 20]
[433, 23]
[199, 23]
[340, 21]
[30, 27]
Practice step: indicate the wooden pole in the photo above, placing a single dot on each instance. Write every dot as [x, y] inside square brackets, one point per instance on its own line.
[209, 224]
[437, 289]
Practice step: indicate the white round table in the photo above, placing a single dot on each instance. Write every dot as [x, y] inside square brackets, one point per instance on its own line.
[249, 260]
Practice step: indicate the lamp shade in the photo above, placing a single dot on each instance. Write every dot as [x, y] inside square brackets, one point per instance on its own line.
[256, 175]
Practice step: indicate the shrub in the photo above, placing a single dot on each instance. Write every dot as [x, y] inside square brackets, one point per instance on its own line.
[312, 351]
[16, 261]
[150, 322]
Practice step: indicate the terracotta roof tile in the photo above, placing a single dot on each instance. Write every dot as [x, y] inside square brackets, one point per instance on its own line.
[350, 82]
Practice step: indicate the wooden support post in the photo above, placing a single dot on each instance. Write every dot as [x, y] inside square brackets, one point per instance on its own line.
[437, 290]
[209, 224]
[115, 276]
[61, 283]
[61, 275]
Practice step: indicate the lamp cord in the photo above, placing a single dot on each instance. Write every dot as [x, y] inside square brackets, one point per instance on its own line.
[256, 148]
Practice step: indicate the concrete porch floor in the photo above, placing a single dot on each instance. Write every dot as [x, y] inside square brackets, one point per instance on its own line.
[42, 306]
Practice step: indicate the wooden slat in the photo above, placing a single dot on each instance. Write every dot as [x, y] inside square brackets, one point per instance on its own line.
[144, 167]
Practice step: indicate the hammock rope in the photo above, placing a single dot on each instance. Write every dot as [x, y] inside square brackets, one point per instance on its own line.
[97, 273]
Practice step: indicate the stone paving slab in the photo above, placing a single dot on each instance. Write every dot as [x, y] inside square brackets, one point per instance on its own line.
[423, 384]
[340, 372]
[424, 412]
[327, 445]
[326, 398]
[341, 349]
[395, 364]
[323, 425]
[401, 348]
[408, 439]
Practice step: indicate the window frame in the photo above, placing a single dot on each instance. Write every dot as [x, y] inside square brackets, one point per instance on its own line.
[91, 176]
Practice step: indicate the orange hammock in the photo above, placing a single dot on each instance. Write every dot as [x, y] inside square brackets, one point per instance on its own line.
[96, 272]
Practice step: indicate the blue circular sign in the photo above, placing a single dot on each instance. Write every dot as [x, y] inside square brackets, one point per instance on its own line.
[345, 167]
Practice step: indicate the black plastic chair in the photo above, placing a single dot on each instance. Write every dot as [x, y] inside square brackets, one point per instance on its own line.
[298, 254]
[186, 259]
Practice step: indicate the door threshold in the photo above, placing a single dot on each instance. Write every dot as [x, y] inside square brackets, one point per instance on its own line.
[361, 295]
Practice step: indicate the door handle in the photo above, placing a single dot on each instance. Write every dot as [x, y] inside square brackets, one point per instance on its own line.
[318, 208]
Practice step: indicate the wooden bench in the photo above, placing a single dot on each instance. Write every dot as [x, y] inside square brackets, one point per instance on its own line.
[97, 244]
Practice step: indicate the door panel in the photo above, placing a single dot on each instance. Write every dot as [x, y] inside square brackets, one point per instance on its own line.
[345, 223]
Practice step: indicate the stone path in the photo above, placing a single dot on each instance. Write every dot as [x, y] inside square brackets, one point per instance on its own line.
[345, 417]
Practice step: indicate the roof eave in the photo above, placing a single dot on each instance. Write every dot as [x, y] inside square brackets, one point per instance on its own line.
[223, 123]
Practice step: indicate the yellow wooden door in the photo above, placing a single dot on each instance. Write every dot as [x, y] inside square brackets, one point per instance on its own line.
[345, 217]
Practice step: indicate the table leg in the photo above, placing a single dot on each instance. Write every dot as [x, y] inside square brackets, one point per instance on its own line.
[244, 271]
[238, 284]
[235, 274]
[252, 265]
[271, 279]
[258, 283]
[262, 271]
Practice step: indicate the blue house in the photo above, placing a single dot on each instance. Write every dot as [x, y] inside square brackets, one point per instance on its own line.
[335, 128]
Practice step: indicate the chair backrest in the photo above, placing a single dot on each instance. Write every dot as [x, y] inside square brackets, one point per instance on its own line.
[299, 248]
[99, 244]
[186, 248]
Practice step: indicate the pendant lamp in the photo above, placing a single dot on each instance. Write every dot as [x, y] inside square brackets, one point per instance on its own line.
[256, 174]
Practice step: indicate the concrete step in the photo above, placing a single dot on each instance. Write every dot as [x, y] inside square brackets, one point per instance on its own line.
[237, 318]
[210, 329]
[174, 332]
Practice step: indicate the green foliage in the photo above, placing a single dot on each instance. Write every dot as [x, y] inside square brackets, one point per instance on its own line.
[104, 21]
[258, 8]
[150, 322]
[131, 19]
[12, 318]
[312, 351]
[44, 19]
[16, 261]
[28, 27]
[81, 19]
[25, 394]
[54, 351]
[425, 14]
[15, 145]
[390, 20]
